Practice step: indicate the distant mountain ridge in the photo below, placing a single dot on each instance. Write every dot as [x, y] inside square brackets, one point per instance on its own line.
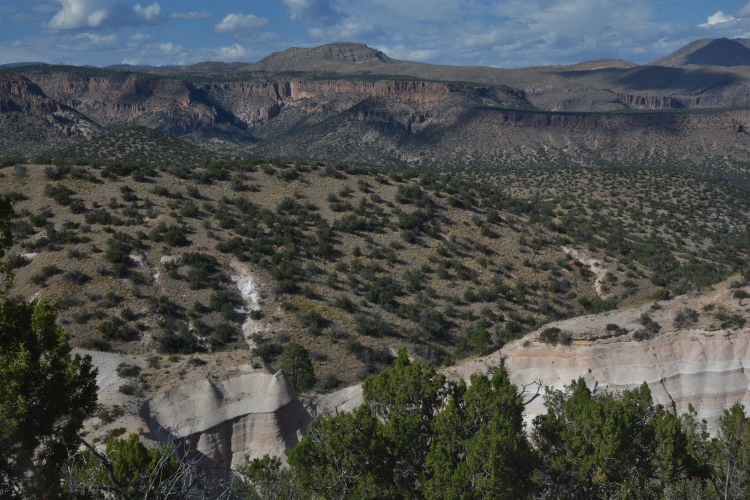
[350, 102]
[19, 65]
[708, 52]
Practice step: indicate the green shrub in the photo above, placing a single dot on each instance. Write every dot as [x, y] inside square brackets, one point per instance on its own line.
[550, 335]
[125, 370]
[96, 345]
[128, 390]
[223, 333]
[116, 329]
[268, 351]
[179, 341]
[661, 294]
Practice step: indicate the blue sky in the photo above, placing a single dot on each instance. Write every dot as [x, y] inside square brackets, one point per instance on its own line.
[504, 33]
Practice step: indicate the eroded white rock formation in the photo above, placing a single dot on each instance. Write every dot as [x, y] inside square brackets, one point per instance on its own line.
[228, 414]
[701, 361]
[250, 292]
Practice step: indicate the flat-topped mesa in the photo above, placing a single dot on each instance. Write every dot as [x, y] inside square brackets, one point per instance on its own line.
[353, 53]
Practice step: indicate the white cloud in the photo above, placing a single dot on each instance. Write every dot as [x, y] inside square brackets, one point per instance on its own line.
[297, 7]
[82, 14]
[743, 12]
[233, 52]
[149, 13]
[233, 23]
[399, 51]
[320, 11]
[170, 48]
[349, 29]
[717, 18]
[141, 37]
[89, 42]
[190, 15]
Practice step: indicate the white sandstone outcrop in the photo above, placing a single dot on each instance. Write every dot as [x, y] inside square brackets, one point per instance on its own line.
[250, 292]
[230, 413]
[702, 361]
[218, 412]
[702, 364]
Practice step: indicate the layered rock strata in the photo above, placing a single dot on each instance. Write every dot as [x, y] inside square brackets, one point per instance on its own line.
[700, 355]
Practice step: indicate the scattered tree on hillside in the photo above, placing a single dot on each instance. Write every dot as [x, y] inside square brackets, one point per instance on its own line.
[297, 366]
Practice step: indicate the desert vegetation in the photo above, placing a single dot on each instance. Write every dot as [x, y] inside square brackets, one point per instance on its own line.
[332, 272]
[353, 262]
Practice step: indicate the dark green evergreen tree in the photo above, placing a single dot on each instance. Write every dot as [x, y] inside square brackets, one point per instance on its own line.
[297, 366]
[45, 393]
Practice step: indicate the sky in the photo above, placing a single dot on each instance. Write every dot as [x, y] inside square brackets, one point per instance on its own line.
[501, 33]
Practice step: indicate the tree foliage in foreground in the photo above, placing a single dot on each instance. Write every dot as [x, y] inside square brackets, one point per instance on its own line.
[418, 437]
[45, 393]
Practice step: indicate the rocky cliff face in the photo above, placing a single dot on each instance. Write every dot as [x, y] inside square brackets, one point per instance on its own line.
[172, 106]
[413, 121]
[23, 96]
[179, 107]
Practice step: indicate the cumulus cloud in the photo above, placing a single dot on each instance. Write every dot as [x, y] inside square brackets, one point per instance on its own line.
[717, 18]
[150, 13]
[234, 23]
[87, 14]
[320, 11]
[141, 37]
[232, 52]
[170, 48]
[81, 13]
[190, 15]
[743, 12]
